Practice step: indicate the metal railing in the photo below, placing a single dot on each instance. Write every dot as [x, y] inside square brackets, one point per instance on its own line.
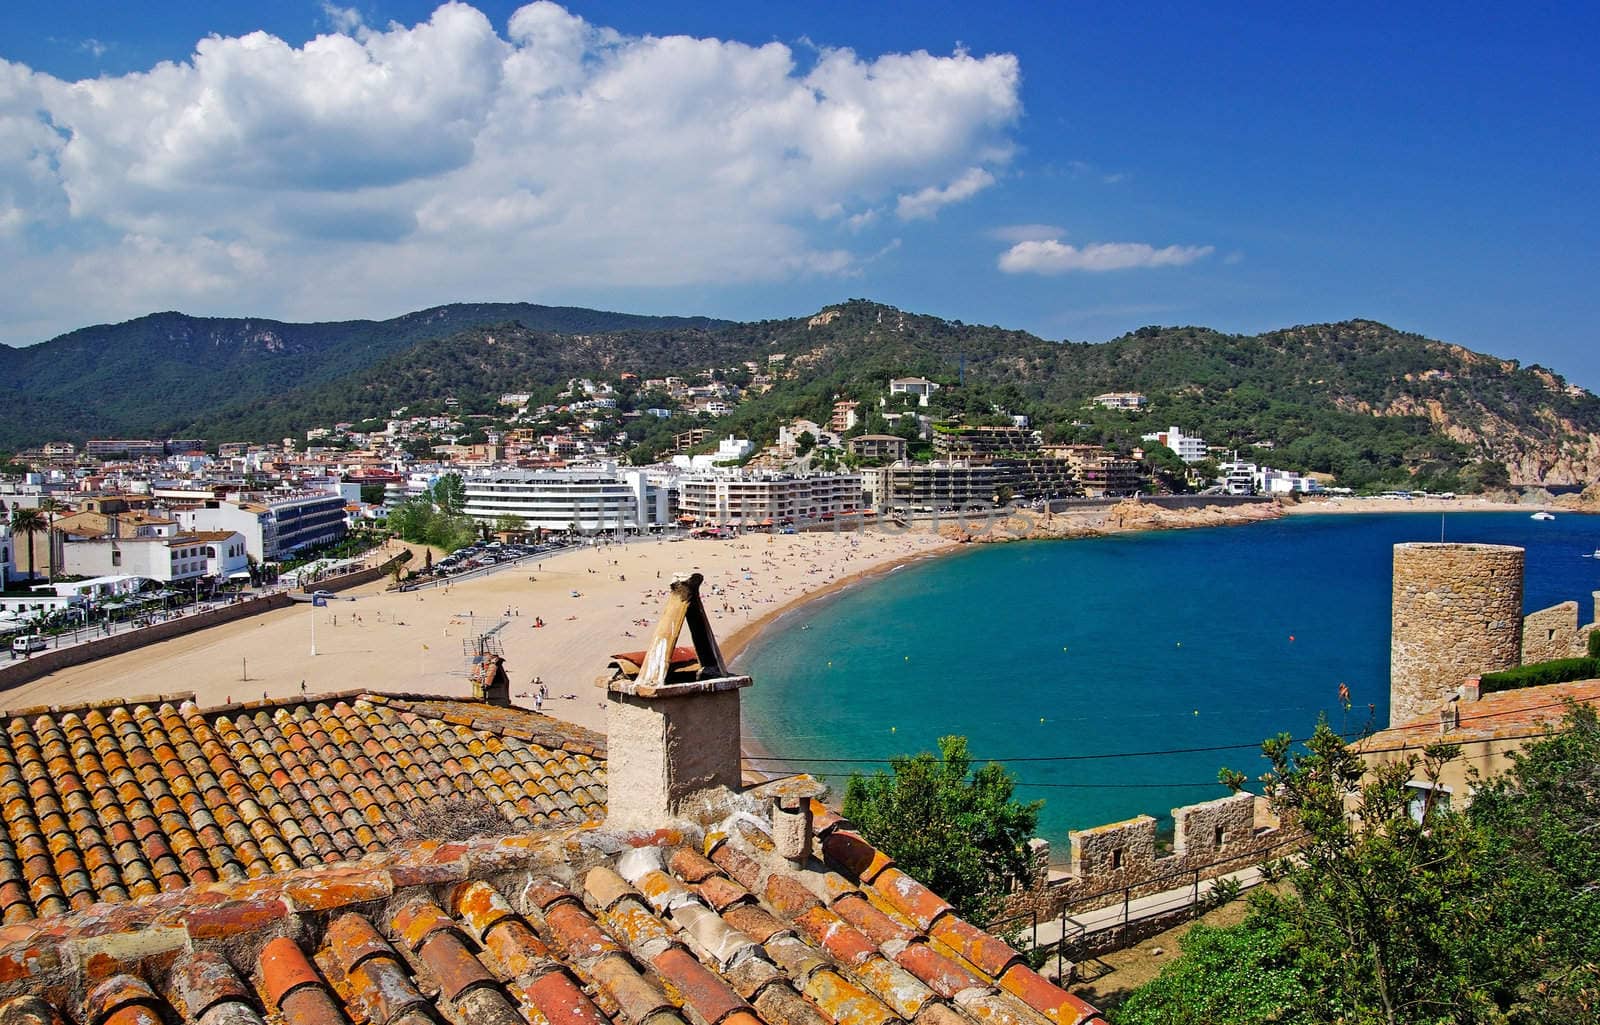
[1072, 935]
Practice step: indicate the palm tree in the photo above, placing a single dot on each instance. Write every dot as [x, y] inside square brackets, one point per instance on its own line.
[29, 522]
[50, 507]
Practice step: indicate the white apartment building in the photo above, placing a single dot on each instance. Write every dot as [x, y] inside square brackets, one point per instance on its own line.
[218, 555]
[275, 524]
[1190, 449]
[1237, 477]
[589, 501]
[729, 450]
[1120, 400]
[920, 387]
[768, 499]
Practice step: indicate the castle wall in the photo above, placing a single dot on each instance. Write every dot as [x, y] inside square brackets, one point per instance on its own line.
[1122, 860]
[1457, 611]
[1552, 633]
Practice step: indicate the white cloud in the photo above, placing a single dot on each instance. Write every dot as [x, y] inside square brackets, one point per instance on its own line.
[383, 169]
[1051, 256]
[1026, 232]
[927, 202]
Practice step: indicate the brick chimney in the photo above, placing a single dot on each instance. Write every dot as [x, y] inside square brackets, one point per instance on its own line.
[673, 725]
[1472, 688]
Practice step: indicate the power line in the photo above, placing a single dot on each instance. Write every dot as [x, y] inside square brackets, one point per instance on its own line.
[1101, 756]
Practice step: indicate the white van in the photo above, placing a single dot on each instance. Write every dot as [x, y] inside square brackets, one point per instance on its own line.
[27, 644]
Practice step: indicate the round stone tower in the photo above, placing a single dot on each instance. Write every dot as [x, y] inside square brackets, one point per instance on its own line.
[1457, 611]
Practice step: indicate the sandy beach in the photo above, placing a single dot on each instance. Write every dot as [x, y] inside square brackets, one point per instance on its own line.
[413, 642]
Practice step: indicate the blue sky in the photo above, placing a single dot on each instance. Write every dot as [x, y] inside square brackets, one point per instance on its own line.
[1076, 171]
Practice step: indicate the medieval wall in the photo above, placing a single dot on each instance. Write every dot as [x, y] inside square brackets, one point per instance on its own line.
[1121, 859]
[1555, 632]
[1457, 611]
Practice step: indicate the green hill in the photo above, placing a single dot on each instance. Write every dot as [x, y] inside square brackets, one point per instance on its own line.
[1358, 399]
[161, 373]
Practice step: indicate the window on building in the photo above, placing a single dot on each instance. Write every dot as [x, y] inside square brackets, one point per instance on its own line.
[1116, 859]
[1221, 837]
[116, 558]
[1419, 792]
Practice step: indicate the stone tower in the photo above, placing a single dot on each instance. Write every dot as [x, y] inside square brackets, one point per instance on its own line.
[1457, 611]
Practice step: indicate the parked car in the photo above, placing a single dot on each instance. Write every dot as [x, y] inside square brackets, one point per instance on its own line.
[27, 644]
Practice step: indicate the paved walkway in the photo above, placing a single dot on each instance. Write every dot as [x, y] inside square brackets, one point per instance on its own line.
[1089, 923]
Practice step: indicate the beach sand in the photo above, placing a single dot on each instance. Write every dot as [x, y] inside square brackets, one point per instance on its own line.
[413, 642]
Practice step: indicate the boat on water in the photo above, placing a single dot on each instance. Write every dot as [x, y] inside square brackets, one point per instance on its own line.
[1542, 515]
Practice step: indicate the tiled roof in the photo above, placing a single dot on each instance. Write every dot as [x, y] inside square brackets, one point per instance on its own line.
[573, 926]
[116, 802]
[1506, 714]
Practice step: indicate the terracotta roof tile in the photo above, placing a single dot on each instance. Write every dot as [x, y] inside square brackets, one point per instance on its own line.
[124, 801]
[563, 923]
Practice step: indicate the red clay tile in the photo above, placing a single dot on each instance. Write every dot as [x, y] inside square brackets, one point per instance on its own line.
[233, 918]
[754, 921]
[700, 990]
[284, 969]
[909, 897]
[419, 919]
[453, 965]
[310, 1006]
[322, 891]
[938, 972]
[352, 940]
[845, 1002]
[201, 980]
[691, 866]
[1039, 993]
[574, 929]
[827, 930]
[543, 892]
[854, 856]
[635, 997]
[562, 1002]
[788, 896]
[722, 893]
[879, 927]
[121, 992]
[990, 954]
[738, 865]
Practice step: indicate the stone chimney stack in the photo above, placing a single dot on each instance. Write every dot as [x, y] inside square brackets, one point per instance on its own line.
[673, 725]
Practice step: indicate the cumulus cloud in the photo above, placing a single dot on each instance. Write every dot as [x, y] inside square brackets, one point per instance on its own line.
[375, 169]
[1052, 256]
[927, 202]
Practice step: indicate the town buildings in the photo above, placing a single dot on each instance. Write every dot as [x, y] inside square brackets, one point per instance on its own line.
[1129, 400]
[767, 499]
[928, 487]
[588, 500]
[884, 447]
[919, 388]
[1190, 448]
[275, 525]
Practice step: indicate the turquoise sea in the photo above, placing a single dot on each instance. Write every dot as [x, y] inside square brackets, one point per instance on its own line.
[1095, 649]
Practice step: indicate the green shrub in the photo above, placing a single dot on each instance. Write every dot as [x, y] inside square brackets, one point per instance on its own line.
[1594, 644]
[1539, 674]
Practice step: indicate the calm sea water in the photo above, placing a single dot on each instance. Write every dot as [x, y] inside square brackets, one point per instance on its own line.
[1136, 643]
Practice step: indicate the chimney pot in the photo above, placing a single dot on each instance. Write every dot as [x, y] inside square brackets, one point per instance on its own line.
[1472, 689]
[791, 815]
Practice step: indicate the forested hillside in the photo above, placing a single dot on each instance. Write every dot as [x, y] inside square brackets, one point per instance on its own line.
[1357, 399]
[162, 373]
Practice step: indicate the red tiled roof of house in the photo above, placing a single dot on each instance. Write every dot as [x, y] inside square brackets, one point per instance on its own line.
[115, 802]
[571, 926]
[1506, 714]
